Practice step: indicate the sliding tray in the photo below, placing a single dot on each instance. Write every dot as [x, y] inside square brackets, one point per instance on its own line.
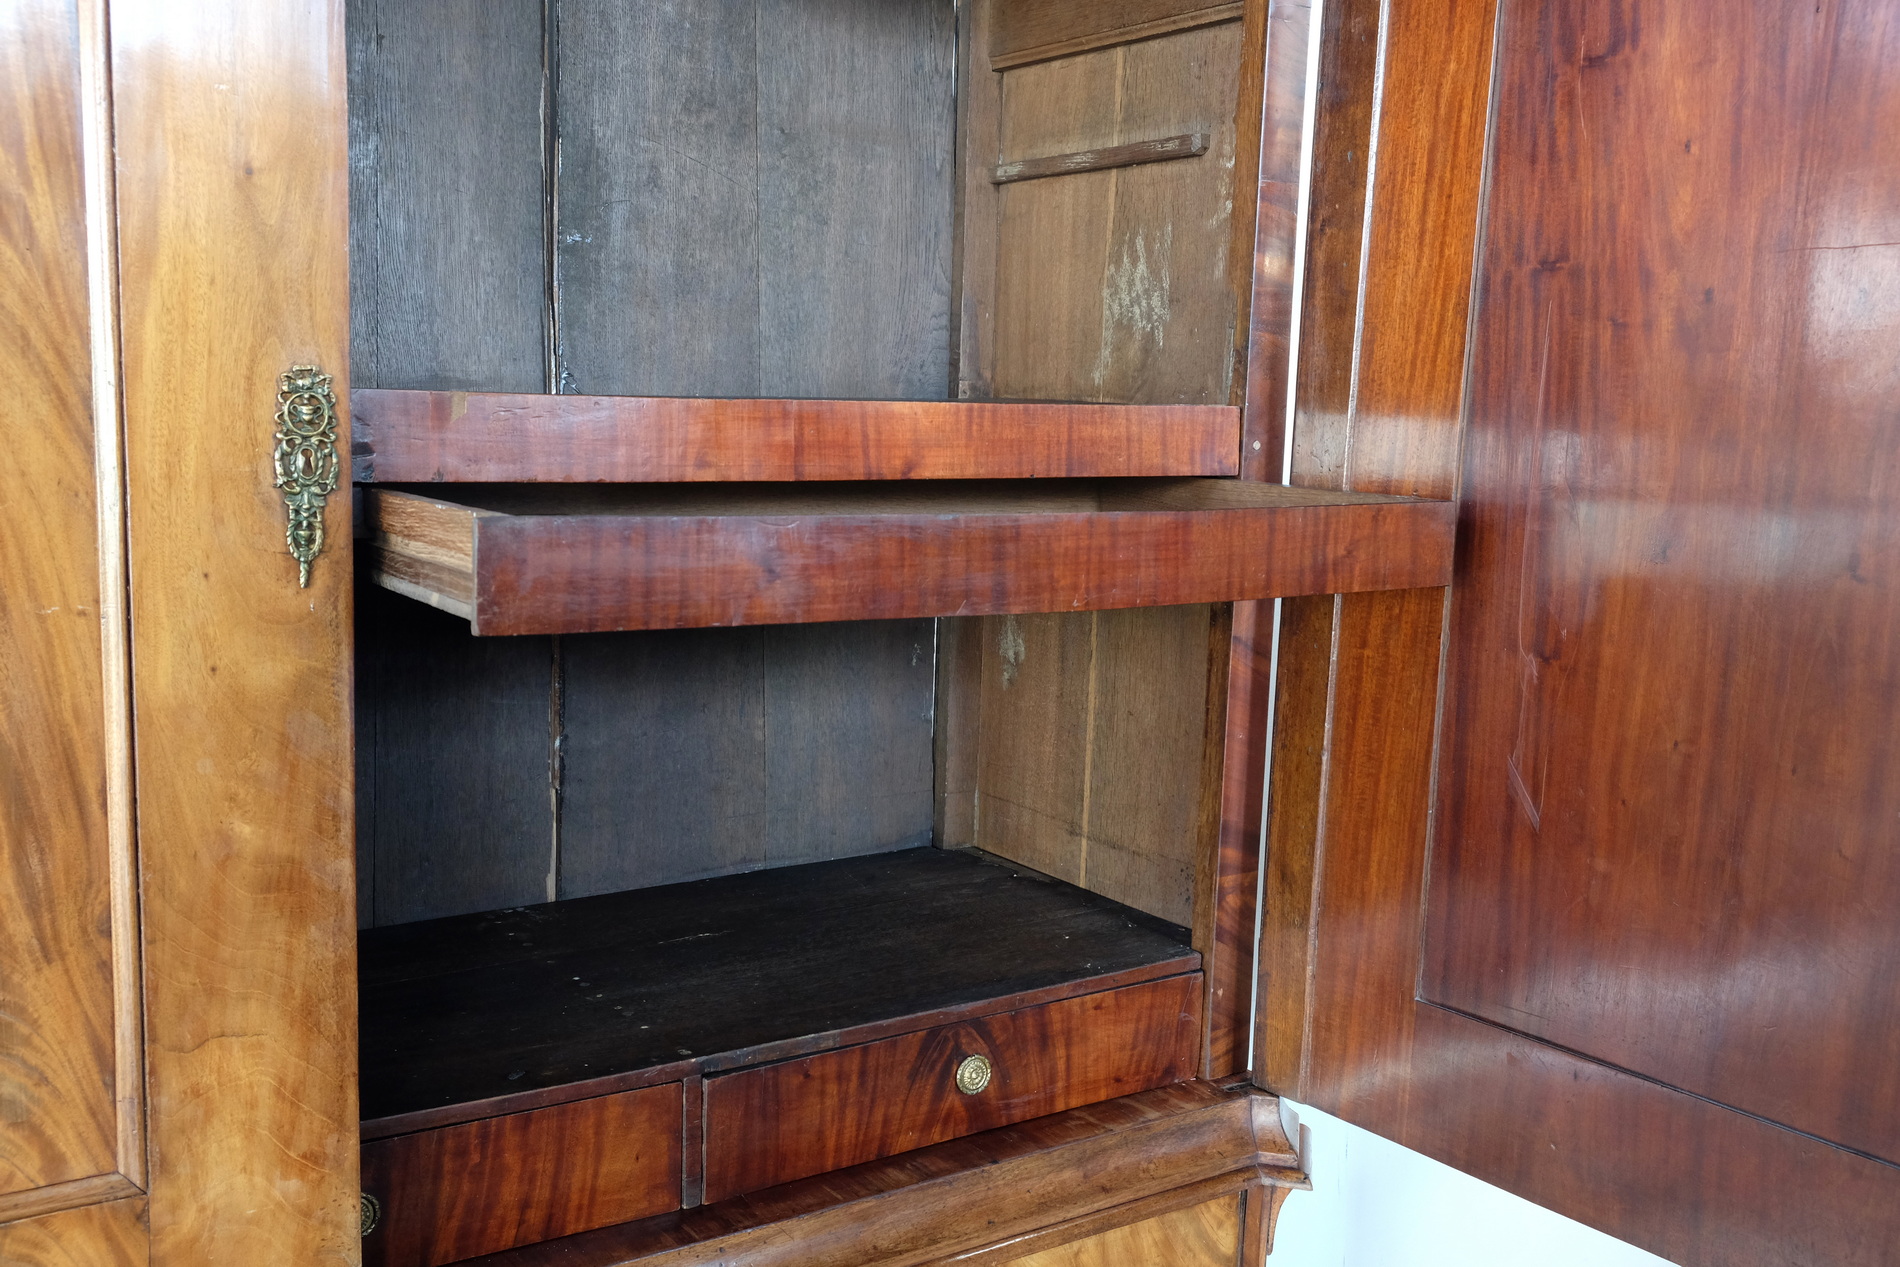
[534, 1072]
[516, 559]
[457, 437]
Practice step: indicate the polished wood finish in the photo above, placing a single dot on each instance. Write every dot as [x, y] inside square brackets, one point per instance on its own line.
[1185, 145]
[1206, 1235]
[1273, 100]
[1101, 1223]
[520, 561]
[232, 175]
[60, 1133]
[1655, 340]
[475, 437]
[1025, 31]
[453, 1193]
[113, 1234]
[1676, 682]
[803, 1117]
[483, 1014]
[969, 1195]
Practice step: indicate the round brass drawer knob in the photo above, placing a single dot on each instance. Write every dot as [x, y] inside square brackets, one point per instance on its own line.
[973, 1074]
[372, 1213]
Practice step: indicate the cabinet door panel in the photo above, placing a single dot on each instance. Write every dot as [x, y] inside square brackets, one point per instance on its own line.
[59, 1081]
[1638, 965]
[234, 222]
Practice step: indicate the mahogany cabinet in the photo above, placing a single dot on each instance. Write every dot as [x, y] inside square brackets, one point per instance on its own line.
[793, 631]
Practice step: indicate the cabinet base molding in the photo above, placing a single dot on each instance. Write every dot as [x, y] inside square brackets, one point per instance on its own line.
[985, 1198]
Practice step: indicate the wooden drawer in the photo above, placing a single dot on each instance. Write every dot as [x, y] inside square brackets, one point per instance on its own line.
[803, 1117]
[453, 1193]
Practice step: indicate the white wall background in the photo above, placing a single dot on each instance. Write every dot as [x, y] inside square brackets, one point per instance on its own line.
[1375, 1204]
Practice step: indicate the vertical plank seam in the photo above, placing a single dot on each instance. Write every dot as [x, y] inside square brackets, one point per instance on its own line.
[550, 200]
[102, 246]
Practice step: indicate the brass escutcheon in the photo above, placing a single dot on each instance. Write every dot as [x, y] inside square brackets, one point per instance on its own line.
[372, 1213]
[973, 1074]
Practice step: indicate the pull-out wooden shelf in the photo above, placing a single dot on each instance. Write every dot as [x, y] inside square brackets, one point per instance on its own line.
[653, 1048]
[427, 436]
[540, 559]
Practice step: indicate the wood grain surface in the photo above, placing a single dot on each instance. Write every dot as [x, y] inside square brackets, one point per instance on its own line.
[448, 222]
[1677, 676]
[1206, 1235]
[465, 1017]
[969, 1195]
[58, 1058]
[111, 1234]
[1647, 346]
[699, 231]
[1025, 31]
[564, 562]
[1089, 754]
[832, 724]
[1114, 285]
[460, 1191]
[475, 437]
[1273, 101]
[781, 1122]
[232, 172]
[493, 776]
[1160, 150]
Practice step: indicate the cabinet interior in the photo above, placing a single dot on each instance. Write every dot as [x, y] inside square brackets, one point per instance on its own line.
[797, 199]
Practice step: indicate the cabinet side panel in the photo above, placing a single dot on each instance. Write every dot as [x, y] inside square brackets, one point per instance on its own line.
[232, 172]
[57, 1054]
[1110, 285]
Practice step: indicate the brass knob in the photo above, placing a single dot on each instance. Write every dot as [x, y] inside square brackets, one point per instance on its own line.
[372, 1213]
[973, 1074]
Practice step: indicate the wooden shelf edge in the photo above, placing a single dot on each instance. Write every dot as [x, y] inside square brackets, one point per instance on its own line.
[423, 437]
[1065, 1175]
[681, 565]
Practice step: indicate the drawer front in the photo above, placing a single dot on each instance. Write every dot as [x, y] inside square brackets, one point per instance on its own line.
[838, 1108]
[483, 1186]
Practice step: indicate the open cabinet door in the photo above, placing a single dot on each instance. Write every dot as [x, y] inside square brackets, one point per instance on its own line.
[1606, 914]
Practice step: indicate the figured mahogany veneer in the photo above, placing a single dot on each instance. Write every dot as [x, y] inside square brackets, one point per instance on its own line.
[823, 1112]
[518, 560]
[492, 437]
[985, 1199]
[450, 1194]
